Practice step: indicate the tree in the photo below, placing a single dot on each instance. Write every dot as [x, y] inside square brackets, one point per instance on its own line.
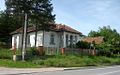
[20, 7]
[40, 10]
[42, 16]
[7, 25]
[111, 42]
[93, 34]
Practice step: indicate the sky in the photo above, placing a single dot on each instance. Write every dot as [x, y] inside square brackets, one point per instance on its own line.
[86, 15]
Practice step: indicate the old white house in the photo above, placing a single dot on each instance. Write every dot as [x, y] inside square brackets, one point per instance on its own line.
[58, 37]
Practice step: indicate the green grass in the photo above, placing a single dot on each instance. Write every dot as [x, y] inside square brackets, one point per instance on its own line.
[76, 61]
[7, 53]
[17, 64]
[56, 60]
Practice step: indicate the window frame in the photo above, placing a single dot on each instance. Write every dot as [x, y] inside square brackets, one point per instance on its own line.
[52, 39]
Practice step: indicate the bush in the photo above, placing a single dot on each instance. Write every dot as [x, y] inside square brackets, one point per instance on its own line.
[82, 44]
[32, 51]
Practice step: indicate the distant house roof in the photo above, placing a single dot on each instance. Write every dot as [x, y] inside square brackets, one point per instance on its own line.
[97, 40]
[58, 27]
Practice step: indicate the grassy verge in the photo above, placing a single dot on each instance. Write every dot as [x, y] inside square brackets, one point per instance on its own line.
[56, 61]
[17, 64]
[77, 61]
[7, 53]
[61, 61]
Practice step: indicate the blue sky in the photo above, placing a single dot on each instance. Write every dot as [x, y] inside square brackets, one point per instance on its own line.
[86, 15]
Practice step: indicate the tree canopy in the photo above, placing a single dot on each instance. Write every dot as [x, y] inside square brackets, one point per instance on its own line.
[40, 10]
[7, 25]
[111, 39]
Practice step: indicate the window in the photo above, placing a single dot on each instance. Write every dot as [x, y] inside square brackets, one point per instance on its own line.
[39, 40]
[71, 40]
[28, 40]
[66, 40]
[15, 39]
[52, 41]
[75, 39]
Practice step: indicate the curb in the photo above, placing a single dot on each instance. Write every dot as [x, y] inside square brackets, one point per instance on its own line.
[74, 68]
[17, 71]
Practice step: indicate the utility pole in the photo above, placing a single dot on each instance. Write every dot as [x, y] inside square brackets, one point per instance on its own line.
[24, 36]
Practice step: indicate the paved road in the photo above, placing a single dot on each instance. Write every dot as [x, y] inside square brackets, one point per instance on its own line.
[115, 70]
[26, 71]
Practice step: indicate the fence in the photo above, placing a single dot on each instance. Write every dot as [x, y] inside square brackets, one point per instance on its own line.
[81, 51]
[52, 50]
[55, 51]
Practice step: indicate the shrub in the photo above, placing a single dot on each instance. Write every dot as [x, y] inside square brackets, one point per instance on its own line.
[82, 44]
[33, 51]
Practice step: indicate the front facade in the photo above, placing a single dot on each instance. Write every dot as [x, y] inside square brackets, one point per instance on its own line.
[56, 38]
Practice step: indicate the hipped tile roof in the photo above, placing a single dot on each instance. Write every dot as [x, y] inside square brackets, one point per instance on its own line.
[57, 27]
[97, 40]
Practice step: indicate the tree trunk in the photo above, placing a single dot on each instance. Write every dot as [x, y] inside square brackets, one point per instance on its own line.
[24, 37]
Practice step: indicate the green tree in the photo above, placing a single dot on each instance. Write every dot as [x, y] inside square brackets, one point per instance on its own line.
[38, 10]
[7, 25]
[93, 34]
[111, 42]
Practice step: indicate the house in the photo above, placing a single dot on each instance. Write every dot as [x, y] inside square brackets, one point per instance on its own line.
[60, 36]
[97, 40]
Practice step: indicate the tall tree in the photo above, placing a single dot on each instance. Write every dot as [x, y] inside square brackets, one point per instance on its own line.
[40, 10]
[42, 16]
[20, 7]
[7, 25]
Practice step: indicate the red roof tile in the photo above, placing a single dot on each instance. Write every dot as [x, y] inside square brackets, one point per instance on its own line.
[97, 40]
[58, 27]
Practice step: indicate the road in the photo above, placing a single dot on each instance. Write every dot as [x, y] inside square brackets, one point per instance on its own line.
[111, 70]
[95, 71]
